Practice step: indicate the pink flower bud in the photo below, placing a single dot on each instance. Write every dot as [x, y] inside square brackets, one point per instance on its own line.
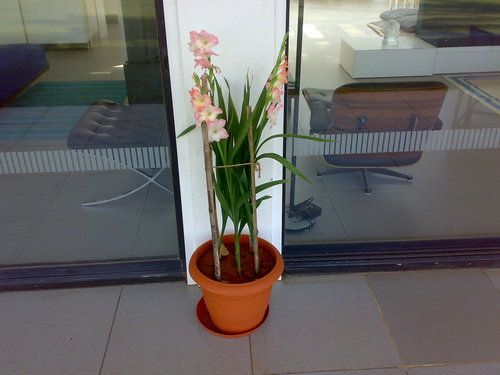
[199, 100]
[272, 112]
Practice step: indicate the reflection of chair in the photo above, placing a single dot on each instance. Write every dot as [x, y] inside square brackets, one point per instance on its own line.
[375, 109]
[126, 135]
[20, 65]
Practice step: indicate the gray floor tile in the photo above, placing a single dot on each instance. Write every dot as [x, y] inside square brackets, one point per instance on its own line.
[29, 144]
[88, 187]
[157, 234]
[388, 214]
[27, 195]
[385, 371]
[321, 323]
[158, 198]
[15, 115]
[308, 165]
[446, 316]
[6, 145]
[445, 169]
[494, 275]
[55, 332]
[353, 181]
[13, 230]
[47, 132]
[81, 237]
[327, 228]
[65, 111]
[479, 369]
[12, 133]
[487, 160]
[156, 332]
[479, 201]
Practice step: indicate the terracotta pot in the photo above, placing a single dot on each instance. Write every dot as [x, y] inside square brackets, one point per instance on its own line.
[236, 308]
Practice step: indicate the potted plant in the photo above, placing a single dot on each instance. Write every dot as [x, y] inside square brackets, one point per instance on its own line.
[235, 271]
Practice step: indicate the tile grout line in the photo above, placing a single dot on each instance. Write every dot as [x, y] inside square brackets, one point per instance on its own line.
[37, 220]
[462, 364]
[483, 271]
[26, 239]
[251, 357]
[407, 367]
[340, 371]
[110, 330]
[139, 223]
[381, 313]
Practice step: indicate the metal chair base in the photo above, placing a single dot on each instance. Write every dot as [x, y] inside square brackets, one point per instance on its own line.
[364, 171]
[149, 180]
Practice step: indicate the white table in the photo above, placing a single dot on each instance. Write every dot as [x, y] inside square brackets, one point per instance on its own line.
[368, 57]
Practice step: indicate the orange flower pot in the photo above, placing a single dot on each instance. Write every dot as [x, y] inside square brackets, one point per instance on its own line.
[237, 308]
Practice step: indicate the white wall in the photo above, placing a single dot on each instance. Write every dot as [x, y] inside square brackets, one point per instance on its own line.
[11, 23]
[56, 21]
[250, 34]
[113, 7]
[101, 18]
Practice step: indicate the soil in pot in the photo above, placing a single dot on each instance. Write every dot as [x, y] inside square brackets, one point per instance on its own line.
[228, 265]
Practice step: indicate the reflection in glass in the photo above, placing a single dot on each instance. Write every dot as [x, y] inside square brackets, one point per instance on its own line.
[423, 142]
[84, 148]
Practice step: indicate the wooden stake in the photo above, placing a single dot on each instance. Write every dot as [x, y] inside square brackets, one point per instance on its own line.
[212, 208]
[255, 242]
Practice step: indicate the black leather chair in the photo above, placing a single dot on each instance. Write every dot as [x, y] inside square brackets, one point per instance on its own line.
[113, 127]
[375, 108]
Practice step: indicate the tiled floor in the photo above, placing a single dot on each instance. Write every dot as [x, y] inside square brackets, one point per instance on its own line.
[444, 322]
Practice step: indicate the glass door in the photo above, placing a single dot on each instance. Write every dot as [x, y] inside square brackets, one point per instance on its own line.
[411, 112]
[87, 168]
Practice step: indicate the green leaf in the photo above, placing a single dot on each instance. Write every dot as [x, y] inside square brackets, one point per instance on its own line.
[222, 199]
[189, 129]
[280, 159]
[246, 97]
[243, 134]
[307, 137]
[220, 98]
[262, 199]
[269, 184]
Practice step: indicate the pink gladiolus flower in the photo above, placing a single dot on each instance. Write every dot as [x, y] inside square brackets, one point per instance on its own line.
[216, 130]
[283, 71]
[272, 112]
[201, 43]
[276, 94]
[283, 77]
[208, 114]
[199, 100]
[203, 62]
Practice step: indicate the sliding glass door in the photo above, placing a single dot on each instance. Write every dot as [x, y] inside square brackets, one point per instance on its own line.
[410, 111]
[87, 173]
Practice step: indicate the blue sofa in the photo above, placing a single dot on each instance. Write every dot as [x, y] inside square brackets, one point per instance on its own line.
[20, 64]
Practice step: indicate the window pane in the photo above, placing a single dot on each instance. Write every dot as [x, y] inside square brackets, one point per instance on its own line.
[85, 163]
[408, 93]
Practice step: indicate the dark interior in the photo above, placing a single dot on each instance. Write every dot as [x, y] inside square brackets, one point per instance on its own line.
[458, 23]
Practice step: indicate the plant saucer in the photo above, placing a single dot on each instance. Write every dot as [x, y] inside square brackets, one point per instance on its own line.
[205, 320]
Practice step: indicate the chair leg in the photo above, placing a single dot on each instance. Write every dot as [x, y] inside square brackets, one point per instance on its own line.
[149, 180]
[390, 172]
[364, 172]
[337, 171]
[365, 179]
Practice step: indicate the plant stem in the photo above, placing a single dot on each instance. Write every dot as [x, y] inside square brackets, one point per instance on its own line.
[237, 250]
[212, 208]
[255, 242]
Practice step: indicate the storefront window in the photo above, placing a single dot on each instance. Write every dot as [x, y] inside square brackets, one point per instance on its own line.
[85, 155]
[408, 93]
